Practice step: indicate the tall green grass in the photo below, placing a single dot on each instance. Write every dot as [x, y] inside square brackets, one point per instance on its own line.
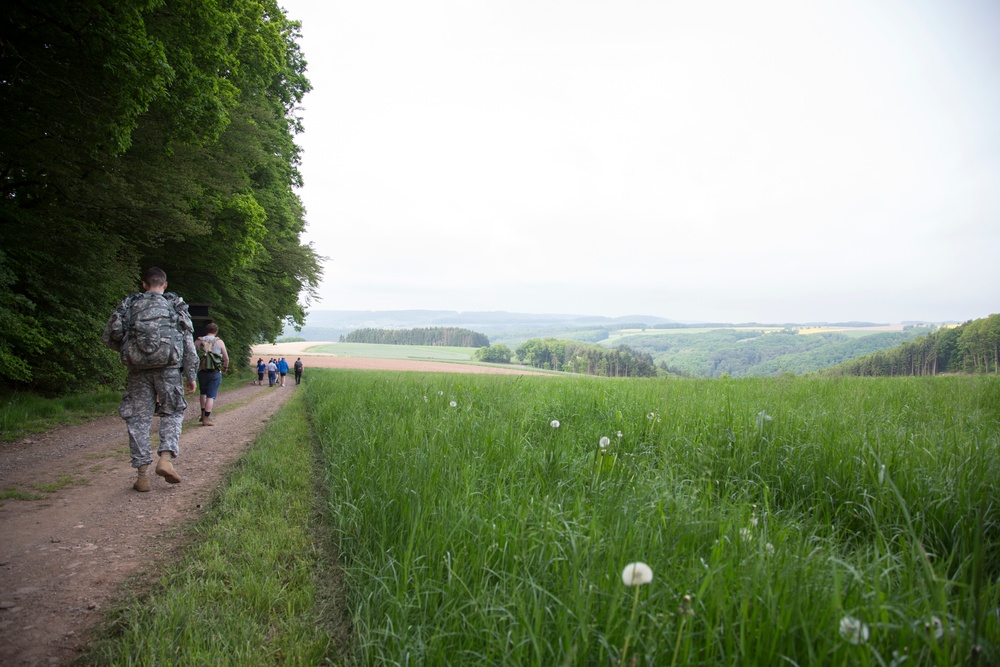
[478, 532]
[22, 413]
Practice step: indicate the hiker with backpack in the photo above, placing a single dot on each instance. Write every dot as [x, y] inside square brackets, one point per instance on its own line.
[298, 370]
[213, 361]
[152, 332]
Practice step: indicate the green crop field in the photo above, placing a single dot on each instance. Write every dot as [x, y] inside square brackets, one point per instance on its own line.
[421, 352]
[787, 521]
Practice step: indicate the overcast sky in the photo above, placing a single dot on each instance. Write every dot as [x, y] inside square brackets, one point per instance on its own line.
[696, 160]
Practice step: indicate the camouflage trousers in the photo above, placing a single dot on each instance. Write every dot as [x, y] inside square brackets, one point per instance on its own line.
[159, 392]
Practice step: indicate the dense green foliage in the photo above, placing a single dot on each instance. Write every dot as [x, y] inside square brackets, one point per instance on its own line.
[973, 347]
[573, 357]
[139, 133]
[497, 353]
[749, 352]
[447, 336]
[479, 522]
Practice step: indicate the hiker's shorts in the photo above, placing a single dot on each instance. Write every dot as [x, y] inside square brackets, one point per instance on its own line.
[208, 383]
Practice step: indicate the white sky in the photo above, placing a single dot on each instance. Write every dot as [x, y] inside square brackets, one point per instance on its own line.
[691, 159]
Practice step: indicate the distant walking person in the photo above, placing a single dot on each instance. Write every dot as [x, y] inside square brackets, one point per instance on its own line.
[213, 361]
[298, 370]
[283, 369]
[152, 332]
[261, 369]
[272, 373]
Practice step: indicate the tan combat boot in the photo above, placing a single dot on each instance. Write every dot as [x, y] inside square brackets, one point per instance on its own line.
[165, 469]
[142, 481]
[207, 421]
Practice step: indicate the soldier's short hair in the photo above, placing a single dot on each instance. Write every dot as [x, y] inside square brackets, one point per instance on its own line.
[212, 328]
[154, 277]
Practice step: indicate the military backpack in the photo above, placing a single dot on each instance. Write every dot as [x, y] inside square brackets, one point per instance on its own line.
[153, 336]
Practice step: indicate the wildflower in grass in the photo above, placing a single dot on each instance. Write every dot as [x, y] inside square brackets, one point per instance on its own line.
[425, 399]
[753, 520]
[746, 535]
[619, 435]
[453, 404]
[440, 393]
[554, 423]
[651, 416]
[635, 574]
[686, 607]
[605, 441]
[769, 549]
[934, 627]
[853, 630]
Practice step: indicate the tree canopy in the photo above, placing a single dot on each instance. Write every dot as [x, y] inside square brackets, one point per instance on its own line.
[141, 133]
[573, 357]
[972, 347]
[447, 336]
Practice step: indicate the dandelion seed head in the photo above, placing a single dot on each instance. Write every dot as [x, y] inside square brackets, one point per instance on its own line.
[554, 423]
[605, 441]
[440, 393]
[619, 435]
[637, 574]
[769, 549]
[853, 630]
[453, 404]
[746, 535]
[934, 627]
[686, 607]
[651, 416]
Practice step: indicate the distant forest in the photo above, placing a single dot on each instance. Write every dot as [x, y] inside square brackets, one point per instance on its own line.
[973, 347]
[573, 357]
[448, 336]
[747, 352]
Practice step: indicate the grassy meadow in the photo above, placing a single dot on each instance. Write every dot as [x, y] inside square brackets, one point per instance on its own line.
[785, 521]
[447, 519]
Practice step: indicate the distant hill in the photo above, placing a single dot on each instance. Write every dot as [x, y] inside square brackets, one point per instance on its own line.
[500, 326]
[686, 348]
[412, 318]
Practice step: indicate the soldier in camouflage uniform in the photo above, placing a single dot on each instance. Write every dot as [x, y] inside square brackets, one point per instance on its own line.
[157, 391]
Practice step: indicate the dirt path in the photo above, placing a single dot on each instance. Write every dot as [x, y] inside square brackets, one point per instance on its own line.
[65, 557]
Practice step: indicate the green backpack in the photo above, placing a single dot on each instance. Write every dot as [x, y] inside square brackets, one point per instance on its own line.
[208, 358]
